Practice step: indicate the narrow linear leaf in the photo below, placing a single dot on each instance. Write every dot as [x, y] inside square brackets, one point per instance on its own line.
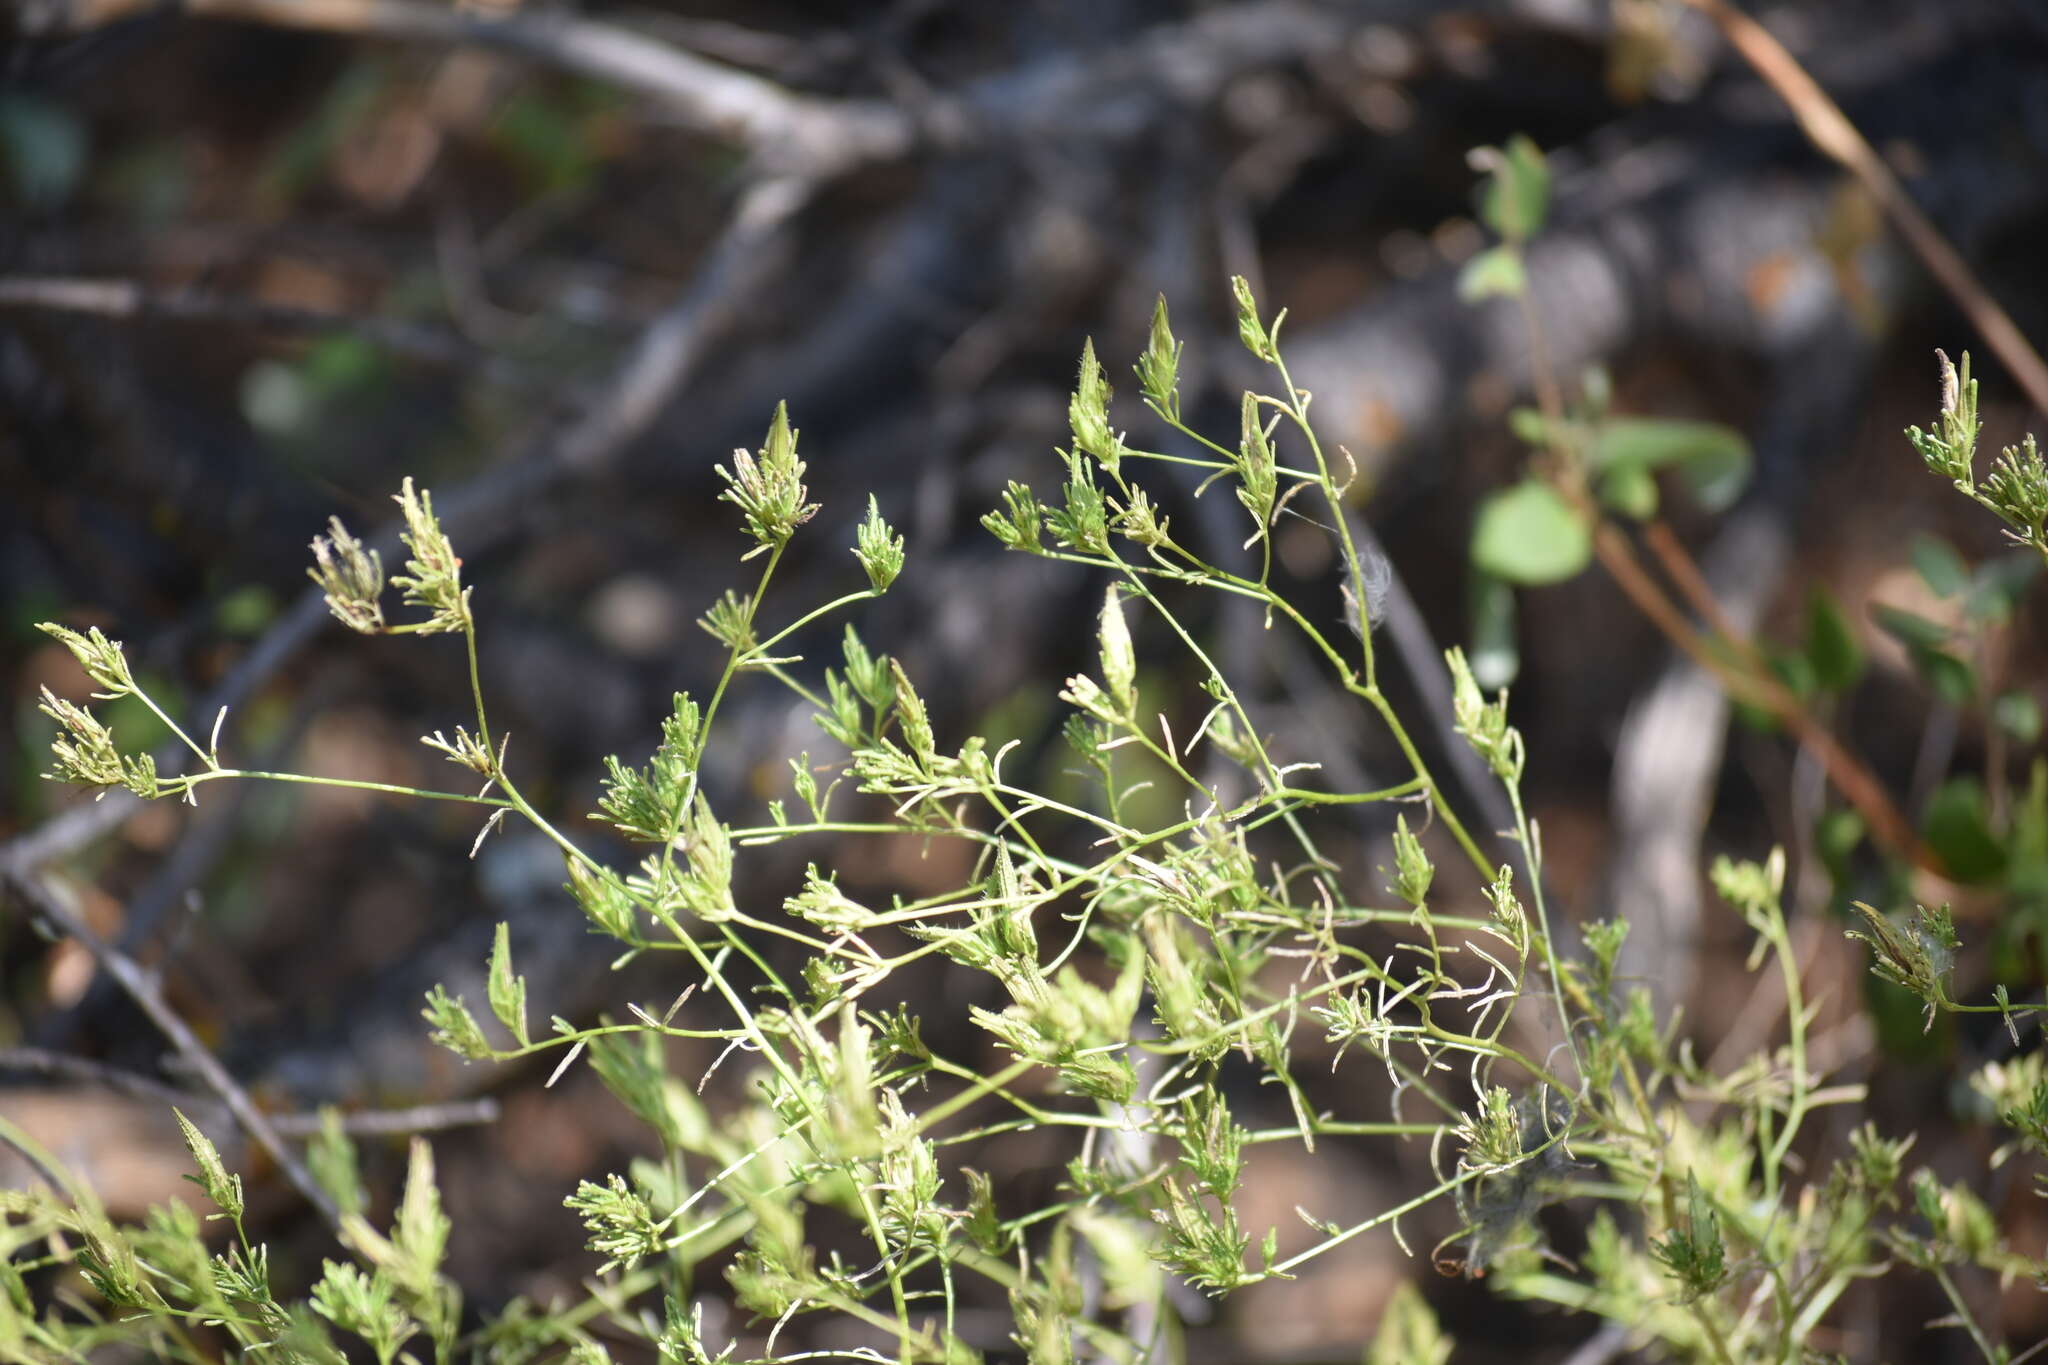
[507, 991]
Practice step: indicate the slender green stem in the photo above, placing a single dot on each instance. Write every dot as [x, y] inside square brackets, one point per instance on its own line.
[1335, 1240]
[173, 726]
[1795, 1007]
[1525, 833]
[763, 646]
[347, 784]
[476, 686]
[978, 1087]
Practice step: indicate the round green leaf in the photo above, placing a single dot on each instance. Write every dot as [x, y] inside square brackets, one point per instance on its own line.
[1530, 536]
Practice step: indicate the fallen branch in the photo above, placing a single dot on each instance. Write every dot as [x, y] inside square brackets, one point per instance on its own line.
[787, 133]
[420, 1118]
[49, 907]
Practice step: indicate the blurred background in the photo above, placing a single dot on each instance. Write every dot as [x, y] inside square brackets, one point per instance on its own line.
[260, 260]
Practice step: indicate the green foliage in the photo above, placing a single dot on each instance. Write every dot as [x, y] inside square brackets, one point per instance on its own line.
[1513, 202]
[768, 487]
[1529, 535]
[2015, 489]
[879, 550]
[1832, 651]
[1693, 1252]
[1409, 1333]
[1517, 1051]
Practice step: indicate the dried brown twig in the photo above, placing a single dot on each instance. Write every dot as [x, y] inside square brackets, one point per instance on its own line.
[47, 905]
[1830, 130]
[1757, 688]
[419, 1118]
[787, 132]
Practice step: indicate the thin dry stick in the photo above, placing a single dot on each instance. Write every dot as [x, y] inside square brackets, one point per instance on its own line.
[1848, 774]
[647, 376]
[40, 1162]
[1679, 566]
[1856, 782]
[786, 131]
[1829, 129]
[144, 993]
[419, 1118]
[1755, 685]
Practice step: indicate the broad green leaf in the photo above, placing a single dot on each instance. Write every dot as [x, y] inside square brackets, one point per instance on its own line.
[1831, 646]
[1717, 475]
[1941, 568]
[1630, 490]
[1494, 273]
[1796, 671]
[1909, 628]
[1529, 535]
[1958, 829]
[1999, 583]
[1714, 459]
[1954, 681]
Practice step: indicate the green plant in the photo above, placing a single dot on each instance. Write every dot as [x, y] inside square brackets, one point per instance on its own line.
[1186, 878]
